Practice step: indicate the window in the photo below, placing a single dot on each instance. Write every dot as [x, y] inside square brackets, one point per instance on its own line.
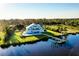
[36, 32]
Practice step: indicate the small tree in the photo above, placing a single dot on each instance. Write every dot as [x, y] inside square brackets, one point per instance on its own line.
[9, 32]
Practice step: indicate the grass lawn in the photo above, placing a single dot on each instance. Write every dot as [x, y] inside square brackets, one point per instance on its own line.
[1, 37]
[53, 33]
[15, 39]
[70, 29]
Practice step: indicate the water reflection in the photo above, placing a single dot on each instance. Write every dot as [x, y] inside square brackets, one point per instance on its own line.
[42, 48]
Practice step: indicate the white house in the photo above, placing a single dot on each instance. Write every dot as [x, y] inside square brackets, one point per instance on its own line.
[33, 29]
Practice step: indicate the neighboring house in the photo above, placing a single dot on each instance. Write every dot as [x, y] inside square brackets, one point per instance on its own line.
[33, 29]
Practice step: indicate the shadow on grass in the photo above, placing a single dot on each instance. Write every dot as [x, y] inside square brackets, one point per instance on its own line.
[40, 37]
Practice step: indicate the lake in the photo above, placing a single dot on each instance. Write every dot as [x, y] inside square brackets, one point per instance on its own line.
[45, 48]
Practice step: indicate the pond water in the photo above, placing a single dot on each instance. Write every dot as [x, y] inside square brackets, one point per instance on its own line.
[45, 48]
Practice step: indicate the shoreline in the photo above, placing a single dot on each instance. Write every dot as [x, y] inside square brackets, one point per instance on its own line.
[40, 38]
[6, 45]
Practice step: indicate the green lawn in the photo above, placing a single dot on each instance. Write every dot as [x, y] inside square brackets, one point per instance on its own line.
[16, 38]
[54, 33]
[70, 29]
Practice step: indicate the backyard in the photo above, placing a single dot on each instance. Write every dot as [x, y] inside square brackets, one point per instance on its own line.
[11, 30]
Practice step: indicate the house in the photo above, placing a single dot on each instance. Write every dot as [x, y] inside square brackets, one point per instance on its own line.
[33, 29]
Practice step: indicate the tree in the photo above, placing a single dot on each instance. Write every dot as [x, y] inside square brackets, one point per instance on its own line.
[9, 32]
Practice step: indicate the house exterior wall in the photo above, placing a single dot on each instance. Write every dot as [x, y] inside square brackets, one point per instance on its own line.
[34, 29]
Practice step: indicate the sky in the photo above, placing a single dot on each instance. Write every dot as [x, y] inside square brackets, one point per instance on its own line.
[39, 10]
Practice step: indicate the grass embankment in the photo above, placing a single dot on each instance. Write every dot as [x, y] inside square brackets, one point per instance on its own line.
[52, 33]
[69, 29]
[17, 39]
[72, 29]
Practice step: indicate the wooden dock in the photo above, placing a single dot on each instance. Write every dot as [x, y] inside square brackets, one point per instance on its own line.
[57, 40]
